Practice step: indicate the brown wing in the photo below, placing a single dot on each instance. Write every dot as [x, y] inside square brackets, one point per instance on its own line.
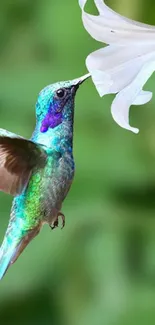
[18, 157]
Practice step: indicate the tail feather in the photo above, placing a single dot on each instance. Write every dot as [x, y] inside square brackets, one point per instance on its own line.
[9, 252]
[6, 254]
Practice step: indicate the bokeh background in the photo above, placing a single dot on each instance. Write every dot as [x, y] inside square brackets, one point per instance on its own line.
[101, 268]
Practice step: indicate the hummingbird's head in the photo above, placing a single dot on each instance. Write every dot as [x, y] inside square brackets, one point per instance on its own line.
[55, 103]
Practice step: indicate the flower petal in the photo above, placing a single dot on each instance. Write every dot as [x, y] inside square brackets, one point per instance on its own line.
[129, 95]
[143, 98]
[110, 27]
[120, 113]
[115, 67]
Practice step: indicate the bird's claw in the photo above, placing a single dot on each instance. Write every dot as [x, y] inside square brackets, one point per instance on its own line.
[55, 223]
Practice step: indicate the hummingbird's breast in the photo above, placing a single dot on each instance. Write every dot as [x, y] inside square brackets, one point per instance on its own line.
[56, 182]
[42, 199]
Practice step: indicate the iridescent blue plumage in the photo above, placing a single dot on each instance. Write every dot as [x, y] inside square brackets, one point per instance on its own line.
[39, 171]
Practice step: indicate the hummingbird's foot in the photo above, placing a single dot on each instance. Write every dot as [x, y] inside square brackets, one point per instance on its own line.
[55, 224]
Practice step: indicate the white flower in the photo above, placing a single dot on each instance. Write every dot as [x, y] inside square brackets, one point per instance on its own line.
[125, 65]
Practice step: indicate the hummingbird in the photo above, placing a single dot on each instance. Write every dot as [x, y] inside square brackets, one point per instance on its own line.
[38, 172]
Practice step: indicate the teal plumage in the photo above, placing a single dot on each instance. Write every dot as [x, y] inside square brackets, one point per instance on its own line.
[39, 171]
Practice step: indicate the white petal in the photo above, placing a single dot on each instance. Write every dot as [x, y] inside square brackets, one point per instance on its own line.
[120, 113]
[110, 27]
[114, 67]
[102, 81]
[129, 95]
[143, 98]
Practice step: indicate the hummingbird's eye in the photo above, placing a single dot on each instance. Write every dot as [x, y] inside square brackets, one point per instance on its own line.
[61, 93]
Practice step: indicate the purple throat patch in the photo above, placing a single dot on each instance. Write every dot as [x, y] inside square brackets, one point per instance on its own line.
[51, 121]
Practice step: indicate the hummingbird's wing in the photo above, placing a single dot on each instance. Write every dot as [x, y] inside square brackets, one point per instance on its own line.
[18, 157]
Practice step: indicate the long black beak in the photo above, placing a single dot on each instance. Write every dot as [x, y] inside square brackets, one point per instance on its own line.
[77, 82]
[80, 80]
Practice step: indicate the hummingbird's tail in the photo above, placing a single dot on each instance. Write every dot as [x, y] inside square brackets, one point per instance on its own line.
[12, 247]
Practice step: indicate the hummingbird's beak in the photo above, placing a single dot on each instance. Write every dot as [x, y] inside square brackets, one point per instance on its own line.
[77, 82]
[83, 78]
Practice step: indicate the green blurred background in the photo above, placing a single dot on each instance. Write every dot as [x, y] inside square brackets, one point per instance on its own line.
[101, 268]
